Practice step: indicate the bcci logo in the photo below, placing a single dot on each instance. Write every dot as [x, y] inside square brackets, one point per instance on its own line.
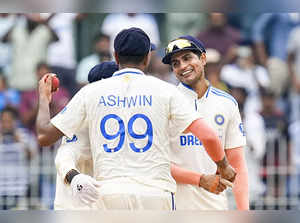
[241, 127]
[219, 119]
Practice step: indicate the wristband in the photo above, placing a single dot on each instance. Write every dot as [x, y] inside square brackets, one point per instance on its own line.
[69, 176]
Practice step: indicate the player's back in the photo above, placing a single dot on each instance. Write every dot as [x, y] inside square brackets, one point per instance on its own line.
[129, 123]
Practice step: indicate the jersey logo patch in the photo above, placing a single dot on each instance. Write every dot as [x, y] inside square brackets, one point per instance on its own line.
[241, 127]
[74, 139]
[219, 119]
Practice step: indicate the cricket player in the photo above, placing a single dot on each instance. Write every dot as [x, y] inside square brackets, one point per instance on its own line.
[187, 58]
[74, 153]
[128, 117]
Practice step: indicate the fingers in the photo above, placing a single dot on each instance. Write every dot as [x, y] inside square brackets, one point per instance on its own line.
[214, 185]
[226, 182]
[95, 183]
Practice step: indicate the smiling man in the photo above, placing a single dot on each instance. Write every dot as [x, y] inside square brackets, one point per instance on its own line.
[193, 170]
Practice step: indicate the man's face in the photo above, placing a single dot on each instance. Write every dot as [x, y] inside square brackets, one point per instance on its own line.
[7, 122]
[102, 46]
[188, 67]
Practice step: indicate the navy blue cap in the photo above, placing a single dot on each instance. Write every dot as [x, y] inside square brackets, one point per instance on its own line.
[132, 42]
[102, 71]
[196, 44]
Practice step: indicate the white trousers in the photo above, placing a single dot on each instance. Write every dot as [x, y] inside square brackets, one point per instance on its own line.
[132, 196]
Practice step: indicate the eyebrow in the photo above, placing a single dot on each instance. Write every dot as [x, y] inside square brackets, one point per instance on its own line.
[186, 54]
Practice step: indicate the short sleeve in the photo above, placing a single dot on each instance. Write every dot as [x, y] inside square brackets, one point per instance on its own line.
[235, 134]
[72, 116]
[182, 113]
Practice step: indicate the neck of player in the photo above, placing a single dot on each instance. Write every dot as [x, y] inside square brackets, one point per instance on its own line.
[201, 87]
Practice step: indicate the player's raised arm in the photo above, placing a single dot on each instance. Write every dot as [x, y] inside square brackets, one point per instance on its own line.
[213, 147]
[46, 132]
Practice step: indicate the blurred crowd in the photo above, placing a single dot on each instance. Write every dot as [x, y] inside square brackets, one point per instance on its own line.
[254, 57]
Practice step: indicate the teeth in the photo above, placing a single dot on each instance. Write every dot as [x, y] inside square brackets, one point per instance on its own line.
[186, 72]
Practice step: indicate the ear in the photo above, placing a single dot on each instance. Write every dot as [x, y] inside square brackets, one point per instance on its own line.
[203, 58]
[147, 59]
[116, 58]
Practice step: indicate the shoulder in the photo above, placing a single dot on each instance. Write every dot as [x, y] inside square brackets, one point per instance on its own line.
[222, 95]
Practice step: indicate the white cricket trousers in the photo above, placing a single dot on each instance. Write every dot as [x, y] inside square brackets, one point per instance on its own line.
[133, 196]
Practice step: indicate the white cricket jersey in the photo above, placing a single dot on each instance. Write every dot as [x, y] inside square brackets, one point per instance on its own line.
[74, 153]
[220, 111]
[129, 116]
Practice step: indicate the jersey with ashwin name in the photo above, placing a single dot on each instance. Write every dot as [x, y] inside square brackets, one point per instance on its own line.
[220, 111]
[129, 116]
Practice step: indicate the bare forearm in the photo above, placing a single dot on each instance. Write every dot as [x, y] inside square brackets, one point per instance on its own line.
[43, 116]
[47, 133]
[185, 176]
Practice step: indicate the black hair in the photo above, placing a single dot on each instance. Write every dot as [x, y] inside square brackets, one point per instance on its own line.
[197, 52]
[10, 110]
[99, 35]
[136, 60]
[42, 64]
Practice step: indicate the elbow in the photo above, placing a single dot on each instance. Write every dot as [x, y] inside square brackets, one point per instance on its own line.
[42, 140]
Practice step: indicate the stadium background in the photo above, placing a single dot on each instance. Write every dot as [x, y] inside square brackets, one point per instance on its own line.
[236, 63]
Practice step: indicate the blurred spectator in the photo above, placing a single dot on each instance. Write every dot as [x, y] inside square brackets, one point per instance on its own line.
[256, 145]
[114, 23]
[29, 100]
[277, 154]
[294, 131]
[179, 24]
[160, 70]
[270, 35]
[8, 96]
[6, 22]
[212, 69]
[62, 53]
[220, 36]
[243, 22]
[246, 74]
[101, 53]
[30, 42]
[293, 48]
[17, 147]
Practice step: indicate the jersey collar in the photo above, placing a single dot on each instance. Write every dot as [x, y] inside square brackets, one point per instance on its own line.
[128, 71]
[186, 88]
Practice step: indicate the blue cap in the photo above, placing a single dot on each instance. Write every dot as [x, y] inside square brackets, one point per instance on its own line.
[132, 42]
[102, 71]
[195, 44]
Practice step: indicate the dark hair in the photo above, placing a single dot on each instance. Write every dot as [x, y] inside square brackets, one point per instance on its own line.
[265, 92]
[42, 64]
[136, 60]
[11, 110]
[99, 36]
[197, 52]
